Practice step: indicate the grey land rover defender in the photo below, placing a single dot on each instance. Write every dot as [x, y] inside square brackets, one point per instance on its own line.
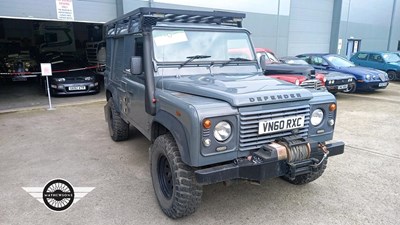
[211, 115]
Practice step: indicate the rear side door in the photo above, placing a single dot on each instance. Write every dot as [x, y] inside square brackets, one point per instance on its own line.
[376, 61]
[360, 59]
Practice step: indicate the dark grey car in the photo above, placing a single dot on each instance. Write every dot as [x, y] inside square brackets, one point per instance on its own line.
[334, 81]
[211, 116]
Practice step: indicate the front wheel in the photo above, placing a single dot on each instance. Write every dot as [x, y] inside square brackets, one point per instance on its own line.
[174, 184]
[392, 75]
[307, 178]
[351, 88]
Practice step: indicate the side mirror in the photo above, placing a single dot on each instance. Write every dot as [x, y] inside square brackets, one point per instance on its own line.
[136, 65]
[312, 74]
[263, 62]
[324, 64]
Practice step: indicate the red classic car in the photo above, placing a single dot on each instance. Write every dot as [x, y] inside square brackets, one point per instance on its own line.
[296, 74]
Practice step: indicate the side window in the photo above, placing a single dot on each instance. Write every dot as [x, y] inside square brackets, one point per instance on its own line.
[362, 56]
[118, 62]
[110, 50]
[375, 58]
[129, 51]
[133, 47]
[306, 58]
[139, 46]
[317, 60]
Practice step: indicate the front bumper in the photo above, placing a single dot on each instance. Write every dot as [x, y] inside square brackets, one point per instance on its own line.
[337, 87]
[72, 88]
[372, 85]
[267, 167]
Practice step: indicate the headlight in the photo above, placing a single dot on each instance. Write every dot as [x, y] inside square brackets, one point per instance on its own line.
[386, 76]
[368, 77]
[316, 117]
[59, 79]
[27, 64]
[89, 78]
[350, 80]
[222, 131]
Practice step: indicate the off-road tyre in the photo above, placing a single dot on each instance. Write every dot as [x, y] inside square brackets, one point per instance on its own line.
[118, 128]
[174, 183]
[392, 75]
[307, 178]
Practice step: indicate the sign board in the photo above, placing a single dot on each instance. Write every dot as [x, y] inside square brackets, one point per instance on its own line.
[65, 10]
[340, 43]
[46, 69]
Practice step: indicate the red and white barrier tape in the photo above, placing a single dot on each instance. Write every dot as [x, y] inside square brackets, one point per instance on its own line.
[56, 71]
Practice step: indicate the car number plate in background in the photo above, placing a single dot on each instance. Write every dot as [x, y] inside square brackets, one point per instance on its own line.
[280, 124]
[383, 84]
[340, 87]
[77, 88]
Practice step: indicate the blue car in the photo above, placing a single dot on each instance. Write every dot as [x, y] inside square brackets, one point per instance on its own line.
[367, 79]
[385, 61]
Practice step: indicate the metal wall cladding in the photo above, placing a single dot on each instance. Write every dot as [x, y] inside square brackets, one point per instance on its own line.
[98, 11]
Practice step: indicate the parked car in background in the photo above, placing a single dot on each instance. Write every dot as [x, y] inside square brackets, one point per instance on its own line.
[385, 61]
[367, 79]
[334, 81]
[71, 76]
[293, 73]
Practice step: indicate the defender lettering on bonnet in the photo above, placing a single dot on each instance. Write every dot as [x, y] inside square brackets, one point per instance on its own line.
[275, 97]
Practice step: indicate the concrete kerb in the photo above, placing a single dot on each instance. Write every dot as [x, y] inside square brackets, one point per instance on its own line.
[45, 107]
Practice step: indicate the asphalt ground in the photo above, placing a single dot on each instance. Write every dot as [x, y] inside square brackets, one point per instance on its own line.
[362, 186]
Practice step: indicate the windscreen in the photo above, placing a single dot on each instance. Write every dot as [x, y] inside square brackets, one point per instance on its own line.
[391, 57]
[339, 61]
[179, 45]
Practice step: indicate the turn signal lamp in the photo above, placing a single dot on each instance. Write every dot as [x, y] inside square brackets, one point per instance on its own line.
[207, 123]
[332, 107]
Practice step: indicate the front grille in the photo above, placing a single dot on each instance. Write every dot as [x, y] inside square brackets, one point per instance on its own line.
[313, 84]
[249, 122]
[339, 82]
[75, 79]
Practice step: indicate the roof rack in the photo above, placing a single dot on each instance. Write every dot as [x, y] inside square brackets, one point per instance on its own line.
[145, 17]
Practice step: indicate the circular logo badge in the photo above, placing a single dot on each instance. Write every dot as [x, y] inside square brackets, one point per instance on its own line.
[58, 195]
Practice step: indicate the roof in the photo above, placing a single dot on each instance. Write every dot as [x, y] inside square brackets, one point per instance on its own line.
[177, 15]
[375, 52]
[264, 50]
[290, 58]
[317, 54]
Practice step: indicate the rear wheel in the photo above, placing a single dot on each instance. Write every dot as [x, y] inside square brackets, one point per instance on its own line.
[118, 128]
[392, 75]
[174, 184]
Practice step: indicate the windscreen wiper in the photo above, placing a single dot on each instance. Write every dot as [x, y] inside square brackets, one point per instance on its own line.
[193, 57]
[235, 60]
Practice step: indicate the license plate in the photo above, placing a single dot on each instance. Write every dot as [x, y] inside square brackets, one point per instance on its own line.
[280, 124]
[341, 87]
[19, 78]
[77, 88]
[383, 84]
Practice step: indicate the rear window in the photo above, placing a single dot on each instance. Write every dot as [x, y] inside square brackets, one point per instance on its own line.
[362, 56]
